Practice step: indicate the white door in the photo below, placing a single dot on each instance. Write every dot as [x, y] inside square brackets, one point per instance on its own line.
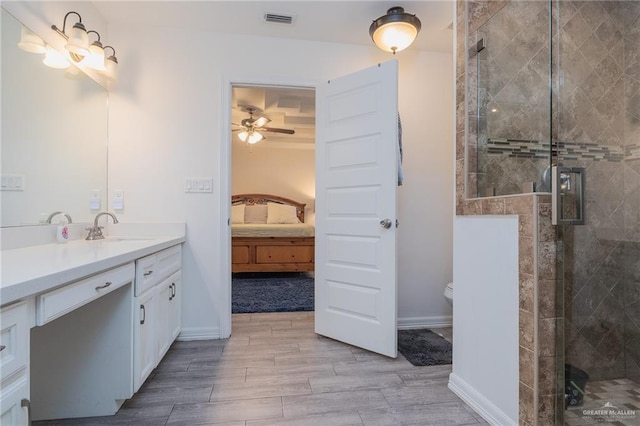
[356, 180]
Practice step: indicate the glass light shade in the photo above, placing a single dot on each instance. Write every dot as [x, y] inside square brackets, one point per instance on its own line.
[250, 137]
[78, 41]
[395, 36]
[261, 121]
[111, 68]
[29, 42]
[255, 137]
[95, 59]
[243, 135]
[55, 59]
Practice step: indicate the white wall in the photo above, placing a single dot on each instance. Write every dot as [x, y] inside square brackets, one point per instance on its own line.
[283, 171]
[166, 121]
[485, 302]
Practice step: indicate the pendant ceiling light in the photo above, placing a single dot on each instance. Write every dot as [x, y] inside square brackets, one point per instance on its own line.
[395, 31]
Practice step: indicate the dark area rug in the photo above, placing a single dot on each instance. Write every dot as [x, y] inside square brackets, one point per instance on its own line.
[423, 347]
[271, 292]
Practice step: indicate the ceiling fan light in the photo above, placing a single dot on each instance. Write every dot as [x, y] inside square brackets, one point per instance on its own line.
[254, 137]
[395, 31]
[243, 135]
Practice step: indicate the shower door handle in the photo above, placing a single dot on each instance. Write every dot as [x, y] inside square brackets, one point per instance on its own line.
[567, 195]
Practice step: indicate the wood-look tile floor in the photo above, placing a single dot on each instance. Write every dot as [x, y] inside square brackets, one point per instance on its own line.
[274, 370]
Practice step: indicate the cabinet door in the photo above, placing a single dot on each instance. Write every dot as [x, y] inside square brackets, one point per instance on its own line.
[145, 339]
[165, 296]
[175, 311]
[12, 410]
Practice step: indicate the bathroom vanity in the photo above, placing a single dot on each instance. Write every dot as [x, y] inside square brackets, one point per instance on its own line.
[84, 323]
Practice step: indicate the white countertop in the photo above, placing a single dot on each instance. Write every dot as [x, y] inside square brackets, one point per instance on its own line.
[29, 271]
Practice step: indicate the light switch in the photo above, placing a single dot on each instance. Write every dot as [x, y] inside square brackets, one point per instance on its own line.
[198, 184]
[12, 182]
[118, 199]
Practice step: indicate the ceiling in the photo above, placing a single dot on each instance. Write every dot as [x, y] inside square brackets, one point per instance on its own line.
[326, 21]
[289, 108]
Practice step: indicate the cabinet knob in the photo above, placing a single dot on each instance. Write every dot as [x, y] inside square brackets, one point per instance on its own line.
[2, 348]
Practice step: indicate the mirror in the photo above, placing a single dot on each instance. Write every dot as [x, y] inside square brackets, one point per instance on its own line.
[54, 137]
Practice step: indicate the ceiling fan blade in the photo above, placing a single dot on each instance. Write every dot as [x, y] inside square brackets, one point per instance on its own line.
[277, 130]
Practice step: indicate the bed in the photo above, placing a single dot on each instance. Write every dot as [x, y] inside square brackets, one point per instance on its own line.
[285, 243]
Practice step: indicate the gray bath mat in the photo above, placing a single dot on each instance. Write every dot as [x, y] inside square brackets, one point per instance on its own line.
[424, 347]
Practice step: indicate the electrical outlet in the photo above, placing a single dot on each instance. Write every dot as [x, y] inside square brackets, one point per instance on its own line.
[118, 199]
[95, 199]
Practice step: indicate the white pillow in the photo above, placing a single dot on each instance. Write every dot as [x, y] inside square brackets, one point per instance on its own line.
[280, 213]
[256, 213]
[237, 213]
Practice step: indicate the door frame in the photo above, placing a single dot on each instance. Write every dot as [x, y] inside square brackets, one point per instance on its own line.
[224, 176]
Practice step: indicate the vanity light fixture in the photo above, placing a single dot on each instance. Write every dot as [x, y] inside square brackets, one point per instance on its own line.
[77, 38]
[395, 31]
[91, 55]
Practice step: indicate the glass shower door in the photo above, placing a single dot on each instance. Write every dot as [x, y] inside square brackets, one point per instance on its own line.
[597, 133]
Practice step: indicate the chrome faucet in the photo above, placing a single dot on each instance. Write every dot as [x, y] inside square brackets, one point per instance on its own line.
[95, 232]
[54, 214]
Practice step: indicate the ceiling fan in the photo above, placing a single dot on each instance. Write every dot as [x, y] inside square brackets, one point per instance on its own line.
[250, 128]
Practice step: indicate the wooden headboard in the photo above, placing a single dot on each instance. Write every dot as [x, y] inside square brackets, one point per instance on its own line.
[251, 199]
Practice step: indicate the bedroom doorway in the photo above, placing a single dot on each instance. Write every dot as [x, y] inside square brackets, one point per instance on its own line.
[273, 192]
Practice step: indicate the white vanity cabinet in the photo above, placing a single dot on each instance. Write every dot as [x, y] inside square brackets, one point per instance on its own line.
[157, 307]
[14, 364]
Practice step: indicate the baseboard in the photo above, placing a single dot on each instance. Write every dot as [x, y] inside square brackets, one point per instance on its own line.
[492, 414]
[199, 333]
[425, 322]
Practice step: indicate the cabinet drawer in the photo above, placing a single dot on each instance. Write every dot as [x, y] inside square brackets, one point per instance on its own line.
[169, 261]
[285, 254]
[14, 338]
[152, 269]
[63, 300]
[146, 274]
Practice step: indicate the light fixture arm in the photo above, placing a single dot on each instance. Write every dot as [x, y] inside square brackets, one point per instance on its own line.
[62, 31]
[112, 57]
[96, 33]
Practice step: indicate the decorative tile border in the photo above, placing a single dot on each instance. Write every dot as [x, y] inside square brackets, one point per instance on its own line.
[515, 148]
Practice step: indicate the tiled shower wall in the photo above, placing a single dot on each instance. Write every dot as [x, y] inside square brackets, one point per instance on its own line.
[599, 110]
[597, 126]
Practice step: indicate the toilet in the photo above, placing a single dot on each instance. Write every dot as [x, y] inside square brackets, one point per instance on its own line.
[448, 293]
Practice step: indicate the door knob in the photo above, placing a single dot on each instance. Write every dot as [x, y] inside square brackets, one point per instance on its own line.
[385, 223]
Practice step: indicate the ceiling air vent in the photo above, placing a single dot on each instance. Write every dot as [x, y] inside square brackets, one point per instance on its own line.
[278, 18]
